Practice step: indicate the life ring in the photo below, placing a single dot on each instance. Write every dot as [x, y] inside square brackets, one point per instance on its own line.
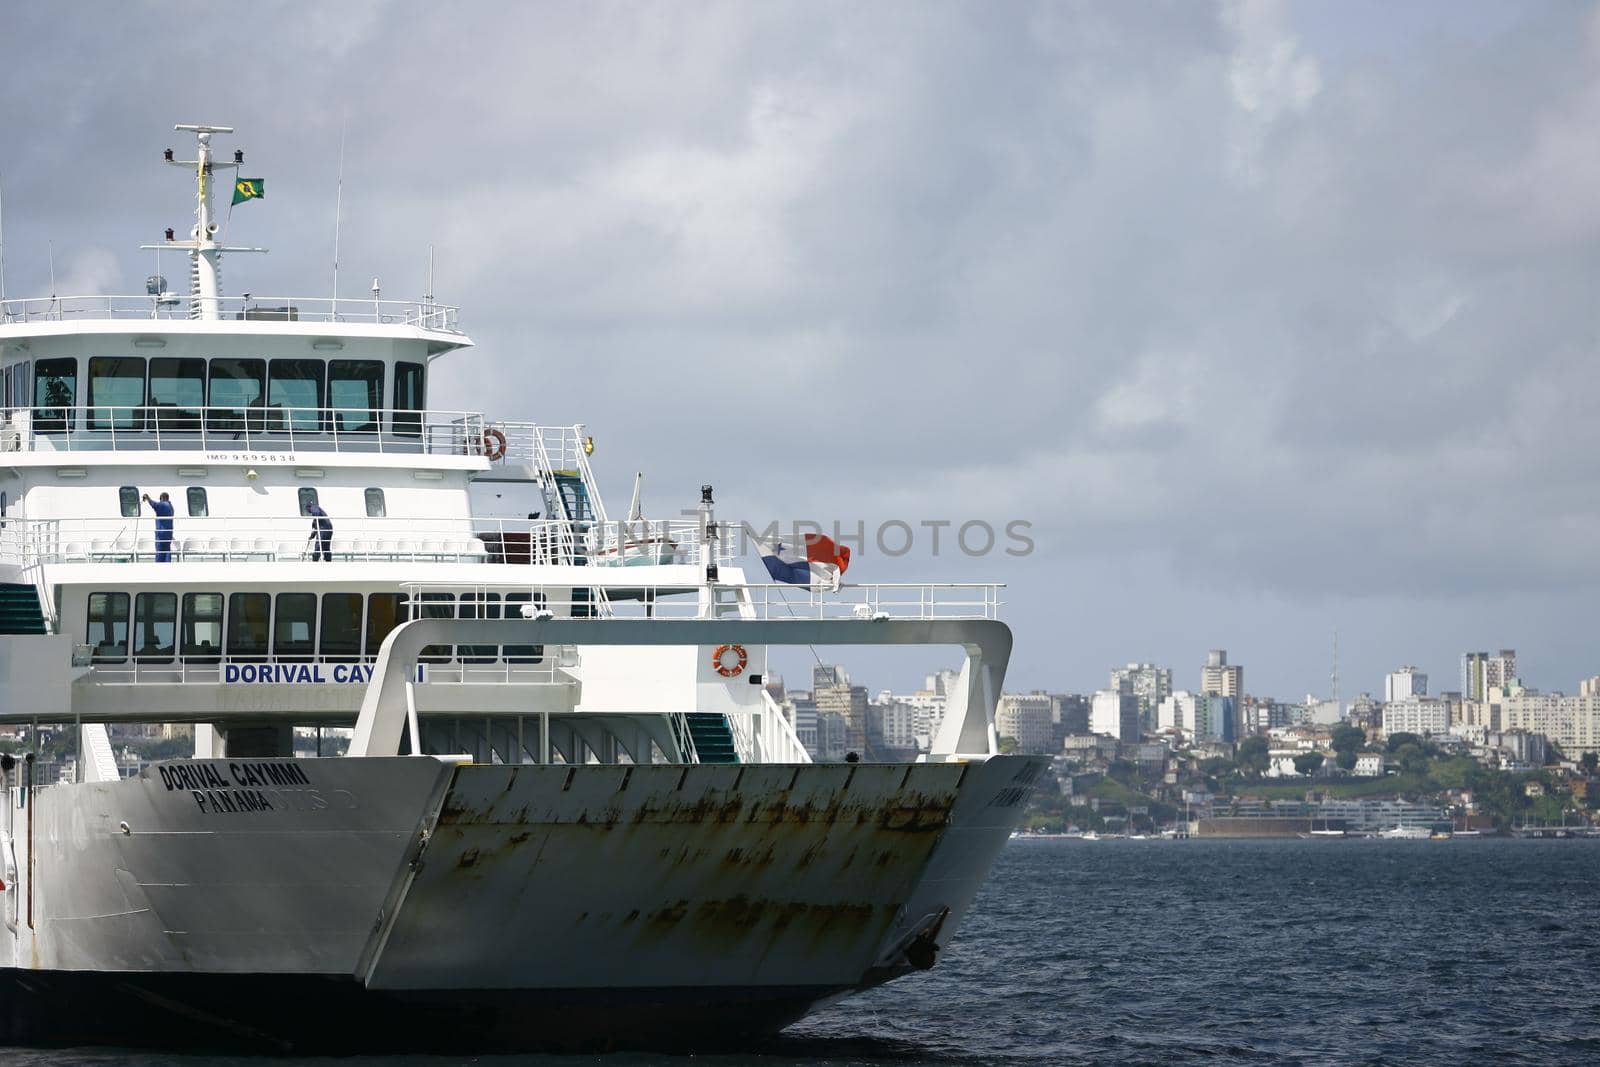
[725, 670]
[494, 444]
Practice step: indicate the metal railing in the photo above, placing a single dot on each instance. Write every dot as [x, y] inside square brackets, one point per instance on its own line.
[29, 542]
[890, 600]
[229, 431]
[441, 318]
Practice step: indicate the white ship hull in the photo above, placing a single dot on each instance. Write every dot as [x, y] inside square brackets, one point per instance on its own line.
[409, 902]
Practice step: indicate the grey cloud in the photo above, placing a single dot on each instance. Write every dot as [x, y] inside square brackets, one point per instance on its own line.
[1293, 308]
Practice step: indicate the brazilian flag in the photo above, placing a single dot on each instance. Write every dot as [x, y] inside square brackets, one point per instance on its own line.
[249, 189]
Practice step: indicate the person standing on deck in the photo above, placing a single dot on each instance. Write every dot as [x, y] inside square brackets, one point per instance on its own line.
[163, 510]
[321, 533]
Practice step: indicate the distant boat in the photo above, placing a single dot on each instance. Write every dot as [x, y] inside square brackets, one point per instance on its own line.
[1407, 833]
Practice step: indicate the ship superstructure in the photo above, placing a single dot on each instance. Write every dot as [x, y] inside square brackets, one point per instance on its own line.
[568, 791]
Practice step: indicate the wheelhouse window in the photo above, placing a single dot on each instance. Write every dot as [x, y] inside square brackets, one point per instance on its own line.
[295, 392]
[202, 627]
[294, 626]
[198, 506]
[308, 496]
[355, 393]
[177, 392]
[17, 387]
[479, 606]
[116, 393]
[341, 627]
[437, 606]
[155, 624]
[249, 631]
[128, 501]
[408, 399]
[514, 605]
[385, 611]
[238, 388]
[55, 393]
[108, 627]
[375, 504]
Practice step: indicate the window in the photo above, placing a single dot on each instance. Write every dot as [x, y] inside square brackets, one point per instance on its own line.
[295, 394]
[294, 626]
[375, 506]
[177, 392]
[108, 627]
[341, 627]
[55, 393]
[479, 606]
[116, 393]
[128, 499]
[523, 653]
[308, 496]
[437, 606]
[155, 624]
[238, 386]
[408, 399]
[248, 617]
[202, 627]
[198, 507]
[355, 393]
[385, 611]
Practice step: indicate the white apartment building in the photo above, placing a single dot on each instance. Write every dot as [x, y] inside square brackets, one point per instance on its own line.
[1571, 723]
[1027, 718]
[1147, 682]
[1403, 684]
[1115, 714]
[1176, 712]
[1220, 679]
[1416, 715]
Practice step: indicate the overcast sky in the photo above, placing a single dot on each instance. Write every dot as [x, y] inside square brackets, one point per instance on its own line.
[1270, 319]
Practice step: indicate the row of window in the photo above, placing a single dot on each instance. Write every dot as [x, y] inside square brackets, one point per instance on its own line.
[129, 496]
[168, 392]
[292, 627]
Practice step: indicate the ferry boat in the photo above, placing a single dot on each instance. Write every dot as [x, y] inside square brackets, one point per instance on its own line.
[570, 814]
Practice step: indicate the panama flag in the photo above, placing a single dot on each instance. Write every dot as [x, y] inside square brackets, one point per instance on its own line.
[816, 560]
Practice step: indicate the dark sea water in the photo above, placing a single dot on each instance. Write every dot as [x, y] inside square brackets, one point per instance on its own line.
[1215, 952]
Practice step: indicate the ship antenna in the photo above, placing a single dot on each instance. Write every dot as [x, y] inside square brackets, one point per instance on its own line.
[50, 250]
[338, 208]
[2, 243]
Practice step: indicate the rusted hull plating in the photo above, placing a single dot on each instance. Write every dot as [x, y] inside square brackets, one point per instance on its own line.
[750, 892]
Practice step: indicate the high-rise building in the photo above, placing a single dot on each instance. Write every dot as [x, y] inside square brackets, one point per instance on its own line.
[1403, 684]
[1025, 717]
[1214, 718]
[836, 697]
[1501, 670]
[1114, 713]
[1149, 684]
[1472, 671]
[1217, 678]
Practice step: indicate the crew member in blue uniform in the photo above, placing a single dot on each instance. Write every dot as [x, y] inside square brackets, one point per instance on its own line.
[321, 533]
[163, 510]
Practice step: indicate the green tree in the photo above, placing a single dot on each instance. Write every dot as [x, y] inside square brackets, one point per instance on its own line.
[1346, 758]
[1308, 762]
[1590, 761]
[1348, 737]
[1413, 760]
[1254, 755]
[1008, 745]
[1396, 741]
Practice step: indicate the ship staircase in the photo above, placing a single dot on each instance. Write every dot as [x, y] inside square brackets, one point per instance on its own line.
[20, 611]
[712, 736]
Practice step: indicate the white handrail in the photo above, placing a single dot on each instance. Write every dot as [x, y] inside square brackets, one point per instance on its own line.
[439, 318]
